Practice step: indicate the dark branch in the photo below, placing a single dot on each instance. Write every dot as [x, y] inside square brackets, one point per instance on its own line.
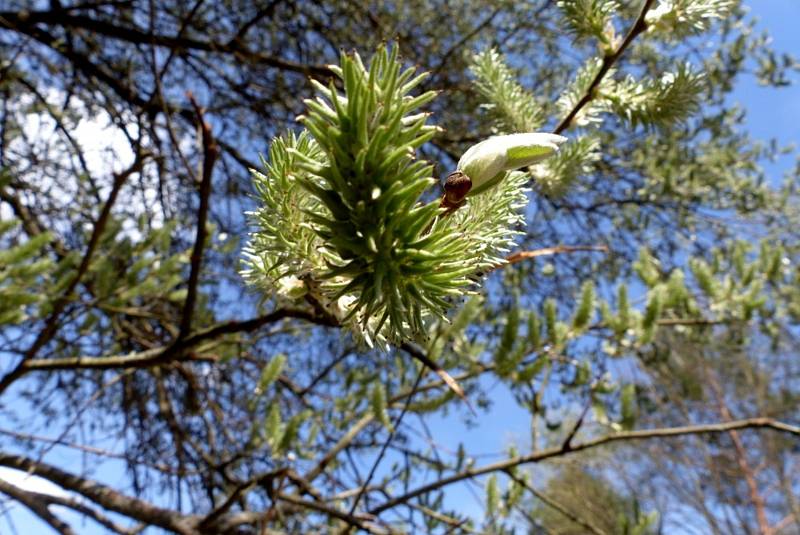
[38, 504]
[102, 495]
[27, 20]
[608, 61]
[210, 154]
[643, 434]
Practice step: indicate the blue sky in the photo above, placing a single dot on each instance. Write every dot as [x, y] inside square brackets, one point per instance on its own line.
[771, 113]
[774, 113]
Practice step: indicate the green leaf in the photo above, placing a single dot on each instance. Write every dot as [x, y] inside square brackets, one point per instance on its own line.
[583, 373]
[647, 268]
[492, 496]
[628, 406]
[292, 429]
[378, 405]
[655, 302]
[551, 320]
[503, 357]
[534, 331]
[270, 373]
[585, 309]
[272, 425]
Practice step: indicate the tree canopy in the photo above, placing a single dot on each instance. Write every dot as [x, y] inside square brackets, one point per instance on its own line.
[255, 254]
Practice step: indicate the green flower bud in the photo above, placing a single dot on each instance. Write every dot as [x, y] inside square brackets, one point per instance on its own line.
[291, 287]
[487, 162]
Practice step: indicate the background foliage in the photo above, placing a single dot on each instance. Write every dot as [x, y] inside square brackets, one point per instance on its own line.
[641, 324]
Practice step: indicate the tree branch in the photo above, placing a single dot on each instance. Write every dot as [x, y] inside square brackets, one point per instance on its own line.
[608, 61]
[37, 503]
[102, 495]
[51, 323]
[161, 355]
[643, 434]
[210, 154]
[25, 20]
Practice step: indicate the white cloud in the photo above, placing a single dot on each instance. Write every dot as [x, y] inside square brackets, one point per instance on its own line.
[31, 483]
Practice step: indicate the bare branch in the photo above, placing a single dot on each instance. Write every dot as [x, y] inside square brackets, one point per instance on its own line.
[210, 154]
[643, 434]
[104, 496]
[27, 20]
[161, 355]
[37, 503]
[519, 256]
[361, 522]
[451, 383]
[388, 440]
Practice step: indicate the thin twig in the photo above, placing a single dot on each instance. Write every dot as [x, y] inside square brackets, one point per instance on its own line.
[210, 154]
[608, 61]
[29, 21]
[51, 323]
[356, 521]
[388, 441]
[642, 434]
[550, 502]
[341, 444]
[451, 383]
[567, 444]
[234, 496]
[164, 354]
[519, 256]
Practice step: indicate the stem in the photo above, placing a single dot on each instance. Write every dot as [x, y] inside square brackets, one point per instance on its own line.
[608, 61]
[589, 444]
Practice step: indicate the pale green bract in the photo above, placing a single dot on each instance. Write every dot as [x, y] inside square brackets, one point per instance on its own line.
[487, 162]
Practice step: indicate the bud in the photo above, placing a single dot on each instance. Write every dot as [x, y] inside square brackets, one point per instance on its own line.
[487, 162]
[291, 287]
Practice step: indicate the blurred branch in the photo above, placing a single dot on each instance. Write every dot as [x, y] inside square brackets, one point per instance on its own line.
[341, 444]
[236, 494]
[27, 20]
[51, 323]
[163, 354]
[643, 434]
[357, 521]
[37, 503]
[210, 154]
[741, 458]
[102, 495]
[519, 256]
[608, 61]
[550, 502]
[99, 452]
